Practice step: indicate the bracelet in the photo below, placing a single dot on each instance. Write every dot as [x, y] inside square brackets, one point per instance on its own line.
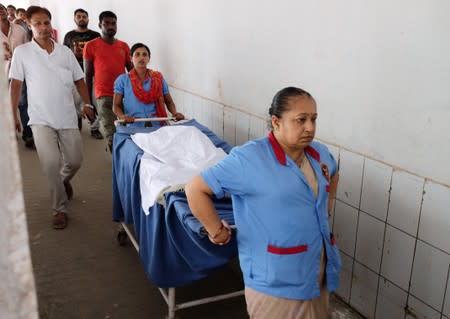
[223, 225]
[89, 106]
[218, 232]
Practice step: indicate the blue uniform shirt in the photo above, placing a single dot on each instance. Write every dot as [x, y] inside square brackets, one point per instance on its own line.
[131, 105]
[282, 227]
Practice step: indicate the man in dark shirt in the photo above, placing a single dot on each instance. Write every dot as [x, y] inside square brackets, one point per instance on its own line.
[75, 40]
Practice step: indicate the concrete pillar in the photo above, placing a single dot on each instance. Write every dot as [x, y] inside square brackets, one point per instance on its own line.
[17, 290]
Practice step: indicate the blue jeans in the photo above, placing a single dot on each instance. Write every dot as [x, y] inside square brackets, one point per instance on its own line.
[23, 111]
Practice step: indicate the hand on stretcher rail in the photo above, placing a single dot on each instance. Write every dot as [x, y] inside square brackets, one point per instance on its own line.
[149, 119]
[230, 228]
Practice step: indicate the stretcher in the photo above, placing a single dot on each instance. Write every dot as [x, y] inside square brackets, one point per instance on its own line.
[172, 244]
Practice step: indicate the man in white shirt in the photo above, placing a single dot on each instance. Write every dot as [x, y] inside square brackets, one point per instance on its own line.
[51, 70]
[11, 36]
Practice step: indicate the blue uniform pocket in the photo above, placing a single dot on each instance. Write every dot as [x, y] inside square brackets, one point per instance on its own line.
[287, 265]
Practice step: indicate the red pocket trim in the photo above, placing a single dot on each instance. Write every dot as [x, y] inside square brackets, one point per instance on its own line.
[287, 250]
[327, 188]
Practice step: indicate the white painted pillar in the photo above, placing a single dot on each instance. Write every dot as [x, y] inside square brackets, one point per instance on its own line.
[17, 290]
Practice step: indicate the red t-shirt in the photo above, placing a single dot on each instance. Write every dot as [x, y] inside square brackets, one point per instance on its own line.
[109, 61]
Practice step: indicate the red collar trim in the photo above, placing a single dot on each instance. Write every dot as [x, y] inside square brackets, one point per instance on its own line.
[279, 153]
[313, 153]
[281, 156]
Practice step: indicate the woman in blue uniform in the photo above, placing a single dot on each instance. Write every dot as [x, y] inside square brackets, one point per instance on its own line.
[142, 93]
[282, 187]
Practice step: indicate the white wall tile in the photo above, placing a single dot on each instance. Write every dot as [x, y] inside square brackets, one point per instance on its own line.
[434, 225]
[345, 221]
[197, 109]
[187, 102]
[398, 256]
[206, 113]
[210, 110]
[391, 301]
[181, 103]
[242, 127]
[446, 310]
[334, 151]
[177, 99]
[345, 279]
[369, 241]
[217, 119]
[266, 130]
[419, 310]
[429, 275]
[257, 128]
[351, 170]
[405, 202]
[375, 189]
[229, 126]
[364, 290]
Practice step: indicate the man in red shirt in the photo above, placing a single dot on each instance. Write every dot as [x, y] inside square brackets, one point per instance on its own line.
[105, 58]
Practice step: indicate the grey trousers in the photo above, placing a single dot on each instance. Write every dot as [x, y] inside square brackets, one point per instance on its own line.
[60, 154]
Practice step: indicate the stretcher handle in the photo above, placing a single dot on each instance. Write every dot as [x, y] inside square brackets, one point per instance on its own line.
[148, 119]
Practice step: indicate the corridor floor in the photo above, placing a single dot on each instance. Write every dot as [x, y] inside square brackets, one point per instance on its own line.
[82, 273]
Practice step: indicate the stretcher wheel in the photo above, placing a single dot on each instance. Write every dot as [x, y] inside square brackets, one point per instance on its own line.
[122, 237]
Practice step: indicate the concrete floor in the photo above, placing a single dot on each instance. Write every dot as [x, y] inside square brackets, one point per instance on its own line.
[82, 273]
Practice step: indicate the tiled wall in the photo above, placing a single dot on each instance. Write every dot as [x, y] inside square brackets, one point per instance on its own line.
[234, 126]
[393, 227]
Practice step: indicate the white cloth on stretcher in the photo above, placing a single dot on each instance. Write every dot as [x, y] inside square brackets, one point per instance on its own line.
[173, 155]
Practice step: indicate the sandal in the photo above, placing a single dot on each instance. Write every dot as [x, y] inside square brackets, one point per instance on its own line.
[59, 220]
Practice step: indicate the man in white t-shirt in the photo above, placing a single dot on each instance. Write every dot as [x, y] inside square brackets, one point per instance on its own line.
[51, 71]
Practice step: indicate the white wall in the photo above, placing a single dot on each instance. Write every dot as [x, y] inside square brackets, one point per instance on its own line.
[381, 75]
[17, 3]
[17, 290]
[378, 69]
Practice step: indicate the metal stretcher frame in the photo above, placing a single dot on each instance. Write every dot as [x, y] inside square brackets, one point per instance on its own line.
[168, 294]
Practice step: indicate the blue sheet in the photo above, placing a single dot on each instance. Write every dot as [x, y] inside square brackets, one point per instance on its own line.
[172, 244]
